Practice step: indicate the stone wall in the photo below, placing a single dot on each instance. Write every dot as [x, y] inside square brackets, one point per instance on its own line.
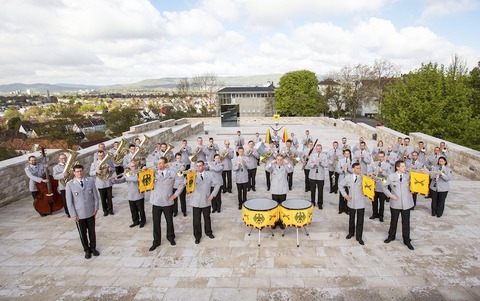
[361, 129]
[14, 184]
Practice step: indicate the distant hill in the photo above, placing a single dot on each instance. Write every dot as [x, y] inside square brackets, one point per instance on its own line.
[162, 84]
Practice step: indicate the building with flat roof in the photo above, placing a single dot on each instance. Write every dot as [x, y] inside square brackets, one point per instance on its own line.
[252, 101]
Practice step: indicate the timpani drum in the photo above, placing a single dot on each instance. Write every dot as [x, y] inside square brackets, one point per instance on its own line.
[297, 213]
[260, 213]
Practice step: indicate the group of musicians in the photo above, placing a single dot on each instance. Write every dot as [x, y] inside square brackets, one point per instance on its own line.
[389, 166]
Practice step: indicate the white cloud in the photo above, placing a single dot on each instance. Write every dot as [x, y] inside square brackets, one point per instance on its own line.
[440, 8]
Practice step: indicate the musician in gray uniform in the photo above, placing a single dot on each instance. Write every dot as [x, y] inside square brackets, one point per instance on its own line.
[295, 142]
[415, 164]
[179, 181]
[161, 151]
[391, 157]
[356, 202]
[432, 160]
[252, 157]
[212, 149]
[201, 151]
[136, 199]
[357, 147]
[380, 169]
[200, 200]
[279, 170]
[306, 139]
[162, 199]
[444, 149]
[344, 168]
[216, 169]
[333, 156]
[103, 181]
[345, 145]
[118, 167]
[317, 163]
[128, 157]
[439, 187]
[257, 140]
[186, 151]
[378, 148]
[34, 172]
[226, 156]
[58, 174]
[304, 159]
[82, 202]
[363, 157]
[422, 152]
[401, 202]
[239, 166]
[288, 153]
[271, 151]
[239, 141]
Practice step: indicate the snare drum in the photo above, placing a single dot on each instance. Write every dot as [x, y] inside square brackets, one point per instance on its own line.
[296, 212]
[260, 213]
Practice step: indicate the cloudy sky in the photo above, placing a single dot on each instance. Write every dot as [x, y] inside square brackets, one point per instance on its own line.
[123, 41]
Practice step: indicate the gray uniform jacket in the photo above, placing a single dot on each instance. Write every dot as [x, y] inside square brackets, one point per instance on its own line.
[240, 169]
[303, 158]
[295, 142]
[252, 159]
[179, 180]
[332, 162]
[202, 154]
[34, 173]
[199, 197]
[126, 160]
[432, 161]
[440, 182]
[377, 149]
[227, 160]
[358, 200]
[305, 141]
[133, 193]
[382, 170]
[98, 182]
[367, 159]
[417, 165]
[186, 152]
[317, 164]
[278, 174]
[82, 201]
[400, 189]
[238, 141]
[345, 146]
[157, 154]
[58, 175]
[216, 170]
[344, 168]
[212, 151]
[164, 188]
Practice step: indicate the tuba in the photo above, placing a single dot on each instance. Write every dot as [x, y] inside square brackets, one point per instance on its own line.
[266, 156]
[194, 156]
[103, 166]
[141, 150]
[68, 166]
[167, 151]
[120, 153]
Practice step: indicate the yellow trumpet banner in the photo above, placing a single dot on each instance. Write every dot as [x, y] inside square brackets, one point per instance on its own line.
[368, 187]
[296, 217]
[146, 180]
[419, 182]
[260, 219]
[190, 179]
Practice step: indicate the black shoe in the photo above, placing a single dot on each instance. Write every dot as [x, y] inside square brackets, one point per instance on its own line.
[248, 189]
[134, 224]
[224, 191]
[349, 236]
[335, 192]
[340, 212]
[434, 214]
[331, 191]
[141, 225]
[215, 210]
[306, 190]
[184, 214]
[95, 252]
[320, 207]
[218, 211]
[290, 188]
[105, 213]
[409, 245]
[381, 219]
[387, 240]
[153, 247]
[268, 188]
[175, 214]
[211, 236]
[230, 191]
[197, 241]
[361, 242]
[88, 255]
[173, 243]
[240, 207]
[373, 217]
[111, 212]
[253, 189]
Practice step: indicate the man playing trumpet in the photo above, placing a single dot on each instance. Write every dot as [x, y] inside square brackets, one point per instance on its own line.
[252, 156]
[241, 176]
[216, 169]
[290, 154]
[317, 163]
[379, 170]
[177, 166]
[333, 156]
[103, 181]
[226, 156]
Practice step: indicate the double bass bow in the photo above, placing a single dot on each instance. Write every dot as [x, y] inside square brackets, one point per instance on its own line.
[48, 199]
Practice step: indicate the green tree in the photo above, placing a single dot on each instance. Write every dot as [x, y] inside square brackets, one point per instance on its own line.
[11, 112]
[14, 123]
[120, 120]
[6, 153]
[434, 100]
[297, 95]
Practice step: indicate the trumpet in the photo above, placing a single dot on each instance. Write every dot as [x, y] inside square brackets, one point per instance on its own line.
[182, 173]
[378, 179]
[444, 149]
[211, 146]
[423, 149]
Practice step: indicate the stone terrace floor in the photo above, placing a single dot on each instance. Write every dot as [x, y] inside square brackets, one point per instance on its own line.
[41, 257]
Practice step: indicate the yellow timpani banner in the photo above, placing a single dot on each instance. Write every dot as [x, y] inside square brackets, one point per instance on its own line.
[296, 217]
[260, 219]
[267, 137]
[419, 182]
[190, 179]
[146, 180]
[368, 187]
[285, 135]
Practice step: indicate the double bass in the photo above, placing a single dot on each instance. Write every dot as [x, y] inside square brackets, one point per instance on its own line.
[48, 199]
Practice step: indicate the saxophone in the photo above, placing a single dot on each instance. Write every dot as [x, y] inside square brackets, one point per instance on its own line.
[103, 167]
[68, 166]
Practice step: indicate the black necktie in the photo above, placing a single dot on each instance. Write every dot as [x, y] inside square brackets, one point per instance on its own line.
[81, 183]
[400, 178]
[201, 176]
[355, 179]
